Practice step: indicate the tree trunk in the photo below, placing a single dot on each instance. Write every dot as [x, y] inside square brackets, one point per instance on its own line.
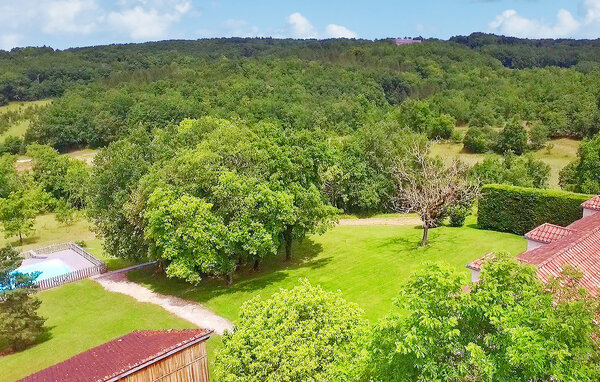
[255, 267]
[288, 237]
[230, 278]
[425, 234]
[20, 238]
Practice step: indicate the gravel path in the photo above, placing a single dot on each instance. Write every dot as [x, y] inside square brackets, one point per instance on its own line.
[403, 220]
[188, 310]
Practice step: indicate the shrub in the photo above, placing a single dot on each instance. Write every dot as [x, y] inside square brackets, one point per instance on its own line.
[11, 145]
[512, 138]
[441, 127]
[523, 171]
[479, 139]
[538, 136]
[518, 209]
[458, 215]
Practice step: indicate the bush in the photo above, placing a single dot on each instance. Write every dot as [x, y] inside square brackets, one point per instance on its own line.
[523, 171]
[458, 215]
[441, 127]
[512, 138]
[518, 209]
[479, 139]
[11, 145]
[538, 136]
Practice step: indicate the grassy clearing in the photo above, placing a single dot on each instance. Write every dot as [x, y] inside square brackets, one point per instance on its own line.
[18, 129]
[83, 315]
[368, 264]
[558, 154]
[48, 231]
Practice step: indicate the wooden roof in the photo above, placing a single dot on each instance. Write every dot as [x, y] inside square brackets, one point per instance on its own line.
[122, 356]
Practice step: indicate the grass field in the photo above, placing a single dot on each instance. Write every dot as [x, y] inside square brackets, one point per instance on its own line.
[18, 129]
[367, 263]
[48, 231]
[559, 154]
[83, 315]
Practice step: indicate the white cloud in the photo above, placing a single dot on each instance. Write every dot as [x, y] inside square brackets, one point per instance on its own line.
[338, 31]
[69, 16]
[301, 27]
[9, 41]
[512, 24]
[146, 24]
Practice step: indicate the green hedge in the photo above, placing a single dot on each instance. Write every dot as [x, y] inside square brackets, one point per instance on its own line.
[519, 209]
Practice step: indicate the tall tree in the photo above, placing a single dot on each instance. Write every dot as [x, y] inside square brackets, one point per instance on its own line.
[20, 324]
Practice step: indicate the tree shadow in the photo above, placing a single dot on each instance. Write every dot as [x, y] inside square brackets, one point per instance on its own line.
[271, 271]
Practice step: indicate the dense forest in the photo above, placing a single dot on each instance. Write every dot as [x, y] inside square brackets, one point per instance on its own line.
[269, 139]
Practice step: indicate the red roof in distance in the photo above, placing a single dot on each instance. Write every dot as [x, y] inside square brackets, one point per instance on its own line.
[120, 356]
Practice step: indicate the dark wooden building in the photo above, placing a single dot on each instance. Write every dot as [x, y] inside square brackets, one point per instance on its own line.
[146, 355]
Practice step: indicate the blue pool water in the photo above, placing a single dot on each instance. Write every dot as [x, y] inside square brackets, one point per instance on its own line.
[49, 269]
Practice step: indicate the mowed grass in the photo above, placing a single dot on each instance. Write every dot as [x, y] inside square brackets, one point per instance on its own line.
[18, 129]
[80, 316]
[48, 231]
[367, 263]
[558, 154]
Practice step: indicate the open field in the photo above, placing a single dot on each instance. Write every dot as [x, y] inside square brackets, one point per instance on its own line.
[367, 263]
[49, 231]
[80, 316]
[18, 129]
[559, 154]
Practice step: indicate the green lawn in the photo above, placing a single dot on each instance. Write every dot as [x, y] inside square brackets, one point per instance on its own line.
[83, 315]
[48, 231]
[367, 263]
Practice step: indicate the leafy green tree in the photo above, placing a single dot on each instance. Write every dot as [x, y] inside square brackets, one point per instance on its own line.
[20, 324]
[583, 174]
[63, 212]
[9, 180]
[523, 171]
[507, 328]
[187, 234]
[512, 138]
[19, 210]
[302, 334]
[480, 139]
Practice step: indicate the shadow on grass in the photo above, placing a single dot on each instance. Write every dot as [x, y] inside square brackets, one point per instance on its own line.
[272, 270]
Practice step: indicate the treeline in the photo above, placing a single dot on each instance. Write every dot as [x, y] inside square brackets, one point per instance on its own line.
[518, 53]
[349, 87]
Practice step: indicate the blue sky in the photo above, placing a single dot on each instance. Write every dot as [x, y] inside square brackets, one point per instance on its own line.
[68, 23]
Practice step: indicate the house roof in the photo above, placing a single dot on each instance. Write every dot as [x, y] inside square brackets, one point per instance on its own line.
[121, 356]
[578, 245]
[547, 233]
[476, 264]
[580, 249]
[592, 204]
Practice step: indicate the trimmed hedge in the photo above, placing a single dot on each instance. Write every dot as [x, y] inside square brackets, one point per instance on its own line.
[518, 209]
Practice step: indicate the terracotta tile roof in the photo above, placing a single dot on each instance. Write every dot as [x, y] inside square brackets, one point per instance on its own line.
[113, 359]
[577, 245]
[476, 264]
[547, 233]
[592, 204]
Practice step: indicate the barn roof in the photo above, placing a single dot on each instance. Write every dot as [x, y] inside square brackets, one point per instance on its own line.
[121, 356]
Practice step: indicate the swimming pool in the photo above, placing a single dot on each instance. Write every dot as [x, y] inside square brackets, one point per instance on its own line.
[48, 269]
